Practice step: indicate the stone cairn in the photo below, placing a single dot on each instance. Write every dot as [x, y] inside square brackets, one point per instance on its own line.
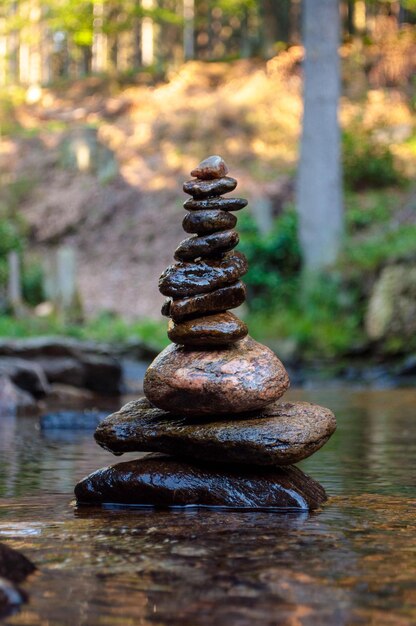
[212, 412]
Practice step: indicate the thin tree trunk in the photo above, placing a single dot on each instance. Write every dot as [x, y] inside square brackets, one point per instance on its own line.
[319, 193]
[148, 53]
[188, 29]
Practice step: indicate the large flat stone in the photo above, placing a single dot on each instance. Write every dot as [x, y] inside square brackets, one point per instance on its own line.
[281, 434]
[165, 482]
[244, 376]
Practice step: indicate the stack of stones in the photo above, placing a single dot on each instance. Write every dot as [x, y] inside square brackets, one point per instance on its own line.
[212, 412]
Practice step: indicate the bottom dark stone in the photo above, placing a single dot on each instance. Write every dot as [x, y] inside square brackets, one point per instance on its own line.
[163, 481]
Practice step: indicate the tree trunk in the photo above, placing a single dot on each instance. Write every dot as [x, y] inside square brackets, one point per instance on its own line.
[188, 29]
[319, 193]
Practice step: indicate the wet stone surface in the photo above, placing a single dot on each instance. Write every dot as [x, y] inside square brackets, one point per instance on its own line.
[208, 221]
[225, 204]
[208, 246]
[334, 567]
[242, 377]
[219, 329]
[206, 188]
[186, 279]
[215, 301]
[281, 434]
[166, 481]
[212, 167]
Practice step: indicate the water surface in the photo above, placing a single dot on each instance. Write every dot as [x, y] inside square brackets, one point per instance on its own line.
[353, 562]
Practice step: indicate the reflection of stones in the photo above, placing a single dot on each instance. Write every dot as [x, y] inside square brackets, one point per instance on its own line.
[244, 377]
[71, 420]
[214, 371]
[280, 434]
[164, 481]
[14, 568]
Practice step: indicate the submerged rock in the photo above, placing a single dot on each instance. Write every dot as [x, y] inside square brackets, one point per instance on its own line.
[281, 434]
[164, 481]
[219, 329]
[14, 565]
[14, 568]
[242, 377]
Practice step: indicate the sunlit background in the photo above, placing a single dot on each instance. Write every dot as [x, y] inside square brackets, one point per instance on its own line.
[105, 108]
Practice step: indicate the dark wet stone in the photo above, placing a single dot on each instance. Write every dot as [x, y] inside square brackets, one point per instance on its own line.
[187, 279]
[244, 376]
[280, 434]
[225, 204]
[213, 302]
[219, 329]
[212, 167]
[208, 246]
[26, 375]
[207, 222]
[206, 188]
[11, 598]
[165, 481]
[14, 565]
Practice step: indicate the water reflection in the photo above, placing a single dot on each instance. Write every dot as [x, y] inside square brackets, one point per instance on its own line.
[353, 562]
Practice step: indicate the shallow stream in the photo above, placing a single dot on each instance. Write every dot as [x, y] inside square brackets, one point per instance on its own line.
[353, 562]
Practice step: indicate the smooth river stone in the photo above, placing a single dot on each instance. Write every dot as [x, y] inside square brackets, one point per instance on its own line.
[213, 302]
[165, 481]
[208, 246]
[207, 222]
[219, 329]
[206, 188]
[226, 204]
[187, 279]
[244, 376]
[212, 167]
[280, 434]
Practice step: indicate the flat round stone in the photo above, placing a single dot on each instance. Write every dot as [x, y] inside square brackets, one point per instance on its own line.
[212, 167]
[280, 434]
[219, 329]
[208, 246]
[244, 376]
[225, 204]
[206, 188]
[165, 482]
[186, 279]
[219, 300]
[207, 222]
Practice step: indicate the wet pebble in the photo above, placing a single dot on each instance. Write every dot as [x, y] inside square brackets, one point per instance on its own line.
[207, 222]
[244, 376]
[225, 204]
[219, 300]
[212, 167]
[187, 279]
[210, 245]
[206, 188]
[219, 329]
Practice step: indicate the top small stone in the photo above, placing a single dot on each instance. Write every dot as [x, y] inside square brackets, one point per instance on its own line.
[212, 167]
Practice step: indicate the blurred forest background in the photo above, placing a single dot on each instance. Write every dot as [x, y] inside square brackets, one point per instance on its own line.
[105, 107]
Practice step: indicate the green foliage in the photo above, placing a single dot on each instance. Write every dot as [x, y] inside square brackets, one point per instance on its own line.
[379, 248]
[367, 162]
[273, 259]
[32, 284]
[107, 327]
